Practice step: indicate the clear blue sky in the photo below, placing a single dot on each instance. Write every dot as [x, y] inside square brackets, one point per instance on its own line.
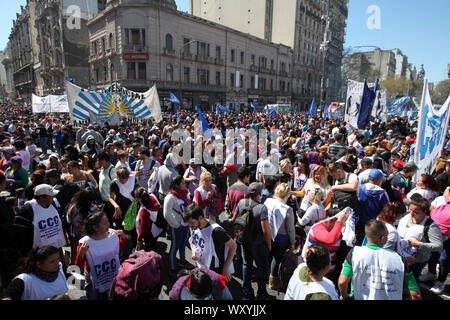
[419, 28]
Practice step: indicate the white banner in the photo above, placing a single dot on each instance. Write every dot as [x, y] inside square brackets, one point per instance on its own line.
[380, 109]
[41, 104]
[431, 133]
[59, 104]
[87, 105]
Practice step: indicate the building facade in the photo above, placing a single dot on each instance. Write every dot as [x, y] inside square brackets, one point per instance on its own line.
[139, 43]
[314, 29]
[7, 62]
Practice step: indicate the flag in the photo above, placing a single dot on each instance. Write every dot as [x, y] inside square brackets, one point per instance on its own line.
[431, 132]
[253, 107]
[325, 110]
[174, 99]
[365, 109]
[272, 111]
[410, 114]
[313, 109]
[204, 124]
[396, 106]
[221, 109]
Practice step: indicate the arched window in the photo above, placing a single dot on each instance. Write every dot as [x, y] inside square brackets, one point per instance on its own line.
[169, 72]
[169, 41]
[111, 41]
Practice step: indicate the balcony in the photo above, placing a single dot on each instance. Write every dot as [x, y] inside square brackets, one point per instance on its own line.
[188, 56]
[219, 61]
[169, 52]
[253, 68]
[134, 48]
[283, 74]
[264, 69]
[204, 59]
[172, 85]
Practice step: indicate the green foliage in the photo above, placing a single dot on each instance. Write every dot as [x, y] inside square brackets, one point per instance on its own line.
[441, 92]
[400, 86]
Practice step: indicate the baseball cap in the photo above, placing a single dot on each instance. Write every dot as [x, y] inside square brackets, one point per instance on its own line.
[276, 151]
[16, 159]
[399, 164]
[255, 188]
[8, 150]
[390, 132]
[376, 174]
[45, 190]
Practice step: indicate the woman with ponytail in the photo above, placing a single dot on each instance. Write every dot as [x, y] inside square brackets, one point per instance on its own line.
[43, 277]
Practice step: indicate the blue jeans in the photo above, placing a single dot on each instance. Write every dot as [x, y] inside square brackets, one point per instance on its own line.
[178, 244]
[44, 145]
[278, 251]
[258, 252]
[444, 262]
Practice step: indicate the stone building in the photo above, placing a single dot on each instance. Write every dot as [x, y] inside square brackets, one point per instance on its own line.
[144, 42]
[306, 26]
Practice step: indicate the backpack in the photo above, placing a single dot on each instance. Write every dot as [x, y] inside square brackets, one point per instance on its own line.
[441, 215]
[139, 278]
[426, 228]
[243, 223]
[344, 199]
[286, 269]
[129, 221]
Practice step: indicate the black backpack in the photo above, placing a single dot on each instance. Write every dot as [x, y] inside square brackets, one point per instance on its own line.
[243, 223]
[344, 199]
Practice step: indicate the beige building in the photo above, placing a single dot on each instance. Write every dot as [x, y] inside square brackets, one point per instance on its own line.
[306, 26]
[140, 43]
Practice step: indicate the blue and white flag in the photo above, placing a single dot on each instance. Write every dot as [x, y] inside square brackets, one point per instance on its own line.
[431, 133]
[366, 105]
[313, 109]
[253, 107]
[204, 124]
[325, 110]
[221, 110]
[397, 106]
[130, 104]
[174, 99]
[272, 111]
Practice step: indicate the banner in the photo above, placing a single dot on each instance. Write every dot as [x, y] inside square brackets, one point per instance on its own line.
[365, 109]
[221, 109]
[399, 106]
[41, 104]
[84, 104]
[431, 133]
[58, 104]
[380, 109]
[355, 91]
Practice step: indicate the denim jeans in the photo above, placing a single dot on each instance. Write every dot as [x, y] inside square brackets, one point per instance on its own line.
[44, 145]
[444, 262]
[178, 243]
[417, 268]
[258, 252]
[278, 250]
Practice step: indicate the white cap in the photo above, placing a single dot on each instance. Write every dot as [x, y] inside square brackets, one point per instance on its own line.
[277, 152]
[45, 190]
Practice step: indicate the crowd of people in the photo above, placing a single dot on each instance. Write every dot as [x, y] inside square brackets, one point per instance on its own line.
[345, 202]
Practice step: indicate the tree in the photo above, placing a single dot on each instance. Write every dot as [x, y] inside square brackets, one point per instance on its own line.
[400, 86]
[441, 92]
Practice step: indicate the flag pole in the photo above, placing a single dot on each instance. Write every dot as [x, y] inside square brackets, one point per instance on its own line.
[421, 123]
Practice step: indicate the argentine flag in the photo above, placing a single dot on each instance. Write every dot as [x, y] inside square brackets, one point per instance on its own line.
[204, 125]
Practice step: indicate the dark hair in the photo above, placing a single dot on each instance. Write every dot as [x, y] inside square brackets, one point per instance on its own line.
[271, 182]
[192, 211]
[38, 177]
[103, 156]
[375, 229]
[317, 258]
[20, 145]
[83, 200]
[175, 182]
[73, 164]
[305, 161]
[92, 221]
[243, 172]
[421, 202]
[430, 183]
[53, 173]
[38, 254]
[201, 284]
[392, 211]
[145, 151]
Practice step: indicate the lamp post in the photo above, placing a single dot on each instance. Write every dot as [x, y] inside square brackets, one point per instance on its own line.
[323, 49]
[181, 51]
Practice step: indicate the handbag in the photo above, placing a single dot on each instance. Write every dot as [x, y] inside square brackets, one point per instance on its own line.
[129, 221]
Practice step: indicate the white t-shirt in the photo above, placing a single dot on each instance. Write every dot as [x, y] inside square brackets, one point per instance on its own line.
[38, 289]
[314, 214]
[430, 195]
[301, 288]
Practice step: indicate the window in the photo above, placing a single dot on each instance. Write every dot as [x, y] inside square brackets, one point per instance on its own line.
[143, 36]
[103, 46]
[241, 81]
[202, 79]
[232, 55]
[111, 41]
[218, 52]
[94, 46]
[271, 64]
[142, 71]
[252, 82]
[135, 37]
[105, 74]
[169, 41]
[218, 78]
[242, 57]
[97, 75]
[187, 75]
[201, 49]
[169, 72]
[262, 84]
[271, 84]
[232, 84]
[253, 59]
[131, 70]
